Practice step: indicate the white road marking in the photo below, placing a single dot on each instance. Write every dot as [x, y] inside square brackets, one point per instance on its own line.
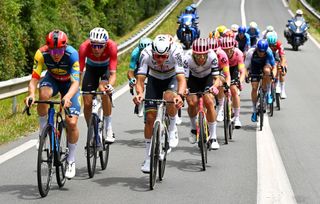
[285, 4]
[243, 13]
[273, 182]
[18, 150]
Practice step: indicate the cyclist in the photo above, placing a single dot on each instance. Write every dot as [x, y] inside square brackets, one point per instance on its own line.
[269, 29]
[134, 61]
[163, 64]
[258, 60]
[243, 39]
[237, 72]
[218, 33]
[62, 63]
[279, 55]
[254, 33]
[98, 55]
[234, 28]
[202, 71]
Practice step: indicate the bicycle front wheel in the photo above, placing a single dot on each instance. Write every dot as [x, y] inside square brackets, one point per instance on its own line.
[91, 147]
[278, 100]
[63, 154]
[261, 111]
[226, 121]
[104, 155]
[164, 146]
[45, 162]
[202, 140]
[154, 154]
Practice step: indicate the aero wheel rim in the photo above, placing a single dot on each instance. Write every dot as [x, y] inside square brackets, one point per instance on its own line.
[44, 171]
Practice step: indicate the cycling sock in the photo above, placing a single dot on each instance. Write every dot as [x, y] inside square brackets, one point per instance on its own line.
[148, 144]
[254, 107]
[172, 124]
[236, 112]
[72, 152]
[107, 122]
[43, 122]
[221, 103]
[212, 130]
[193, 123]
[282, 86]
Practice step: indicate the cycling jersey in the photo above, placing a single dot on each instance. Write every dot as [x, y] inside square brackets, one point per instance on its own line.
[236, 63]
[244, 43]
[64, 70]
[172, 66]
[107, 59]
[278, 48]
[201, 71]
[223, 61]
[134, 60]
[265, 32]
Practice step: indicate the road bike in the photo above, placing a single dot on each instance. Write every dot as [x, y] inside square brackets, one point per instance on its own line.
[228, 124]
[96, 143]
[53, 149]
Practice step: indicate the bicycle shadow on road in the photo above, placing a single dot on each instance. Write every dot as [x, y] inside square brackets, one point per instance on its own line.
[134, 143]
[186, 165]
[136, 184]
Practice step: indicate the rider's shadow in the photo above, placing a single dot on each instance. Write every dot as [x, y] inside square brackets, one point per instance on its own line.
[23, 192]
[136, 184]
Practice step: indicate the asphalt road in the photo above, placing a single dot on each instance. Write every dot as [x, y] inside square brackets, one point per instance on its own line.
[231, 176]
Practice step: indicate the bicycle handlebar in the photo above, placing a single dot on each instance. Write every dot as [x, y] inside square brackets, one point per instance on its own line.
[157, 101]
[27, 108]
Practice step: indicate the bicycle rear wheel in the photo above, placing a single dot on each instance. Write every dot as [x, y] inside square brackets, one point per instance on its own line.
[104, 155]
[63, 154]
[226, 121]
[154, 154]
[164, 146]
[261, 111]
[91, 147]
[202, 140]
[45, 162]
[278, 100]
[271, 106]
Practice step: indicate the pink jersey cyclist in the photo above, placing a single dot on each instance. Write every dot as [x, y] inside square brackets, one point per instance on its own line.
[236, 64]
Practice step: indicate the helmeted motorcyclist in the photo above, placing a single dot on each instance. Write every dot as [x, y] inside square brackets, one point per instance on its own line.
[297, 17]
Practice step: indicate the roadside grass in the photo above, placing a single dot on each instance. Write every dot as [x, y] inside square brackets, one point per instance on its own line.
[313, 21]
[14, 126]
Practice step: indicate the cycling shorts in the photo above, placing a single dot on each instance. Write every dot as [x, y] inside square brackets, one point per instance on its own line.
[196, 84]
[92, 77]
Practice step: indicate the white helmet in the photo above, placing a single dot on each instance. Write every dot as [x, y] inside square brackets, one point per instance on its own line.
[99, 35]
[299, 12]
[161, 44]
[253, 24]
[270, 28]
[234, 27]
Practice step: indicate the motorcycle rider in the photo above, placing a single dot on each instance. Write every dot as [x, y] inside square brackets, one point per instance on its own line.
[297, 17]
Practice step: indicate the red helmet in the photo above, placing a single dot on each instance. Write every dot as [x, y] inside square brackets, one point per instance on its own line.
[229, 33]
[214, 43]
[228, 42]
[56, 39]
[200, 46]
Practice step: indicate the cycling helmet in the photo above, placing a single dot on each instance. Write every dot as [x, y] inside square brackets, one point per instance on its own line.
[161, 44]
[253, 25]
[242, 29]
[189, 10]
[228, 33]
[234, 27]
[228, 42]
[144, 42]
[262, 45]
[213, 43]
[269, 28]
[221, 29]
[272, 38]
[99, 35]
[56, 39]
[299, 12]
[200, 46]
[193, 6]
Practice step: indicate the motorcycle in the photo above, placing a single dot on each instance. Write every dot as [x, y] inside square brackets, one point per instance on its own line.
[188, 30]
[296, 33]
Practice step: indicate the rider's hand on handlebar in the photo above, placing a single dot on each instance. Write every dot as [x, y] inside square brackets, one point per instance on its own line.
[109, 89]
[178, 101]
[29, 98]
[137, 99]
[214, 90]
[67, 102]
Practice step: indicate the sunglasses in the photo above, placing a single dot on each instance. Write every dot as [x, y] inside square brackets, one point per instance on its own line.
[97, 46]
[157, 56]
[58, 51]
[200, 56]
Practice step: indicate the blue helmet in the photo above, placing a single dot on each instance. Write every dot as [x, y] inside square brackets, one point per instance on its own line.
[242, 29]
[189, 10]
[262, 45]
[144, 42]
[272, 38]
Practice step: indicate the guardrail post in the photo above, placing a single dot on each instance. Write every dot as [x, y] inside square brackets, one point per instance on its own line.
[14, 105]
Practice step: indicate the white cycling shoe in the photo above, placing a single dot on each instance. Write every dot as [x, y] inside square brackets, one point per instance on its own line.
[173, 138]
[145, 168]
[220, 115]
[214, 144]
[237, 123]
[70, 170]
[283, 94]
[110, 136]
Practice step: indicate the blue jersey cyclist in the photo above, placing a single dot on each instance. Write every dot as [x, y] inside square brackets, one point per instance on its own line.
[243, 39]
[260, 60]
[254, 33]
[62, 63]
[134, 61]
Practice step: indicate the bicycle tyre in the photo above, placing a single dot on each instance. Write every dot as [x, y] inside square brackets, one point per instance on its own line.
[165, 147]
[154, 154]
[63, 154]
[271, 106]
[91, 147]
[278, 100]
[261, 111]
[44, 147]
[104, 155]
[202, 140]
[225, 120]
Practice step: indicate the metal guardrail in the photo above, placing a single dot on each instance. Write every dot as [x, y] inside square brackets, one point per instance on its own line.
[310, 9]
[18, 86]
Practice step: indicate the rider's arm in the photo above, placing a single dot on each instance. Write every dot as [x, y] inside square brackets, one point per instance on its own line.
[38, 64]
[241, 67]
[74, 75]
[247, 62]
[140, 84]
[133, 62]
[83, 54]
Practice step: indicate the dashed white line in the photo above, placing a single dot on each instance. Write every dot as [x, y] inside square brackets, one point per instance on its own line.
[243, 13]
